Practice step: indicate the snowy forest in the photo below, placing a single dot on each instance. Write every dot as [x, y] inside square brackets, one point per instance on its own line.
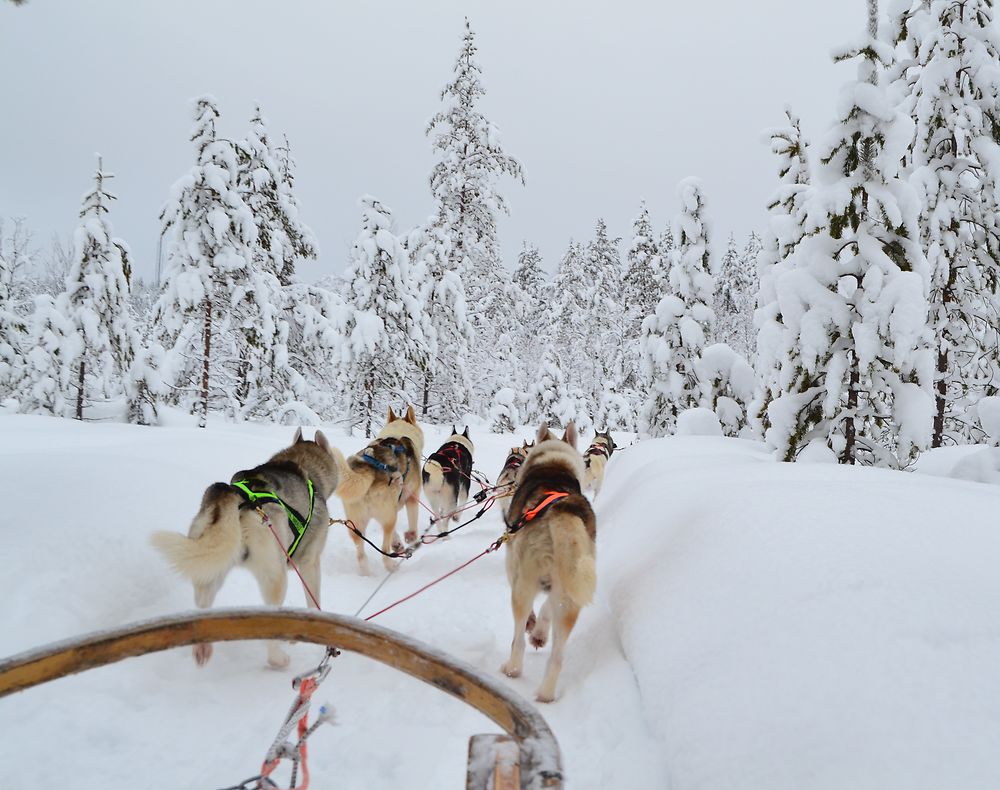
[861, 325]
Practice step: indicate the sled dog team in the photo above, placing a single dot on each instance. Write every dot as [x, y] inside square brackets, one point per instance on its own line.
[551, 528]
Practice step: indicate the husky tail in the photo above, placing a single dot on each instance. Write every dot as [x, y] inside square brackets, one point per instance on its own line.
[573, 550]
[213, 543]
[433, 476]
[351, 485]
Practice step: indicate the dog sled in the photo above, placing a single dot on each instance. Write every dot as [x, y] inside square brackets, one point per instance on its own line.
[525, 756]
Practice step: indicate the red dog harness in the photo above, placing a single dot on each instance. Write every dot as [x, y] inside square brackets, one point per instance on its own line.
[551, 497]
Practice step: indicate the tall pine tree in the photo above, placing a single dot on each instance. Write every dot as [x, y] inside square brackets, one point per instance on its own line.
[96, 301]
[464, 182]
[681, 326]
[853, 297]
[207, 311]
[383, 340]
[949, 71]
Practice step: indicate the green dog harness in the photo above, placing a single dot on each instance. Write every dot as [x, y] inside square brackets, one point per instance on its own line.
[257, 498]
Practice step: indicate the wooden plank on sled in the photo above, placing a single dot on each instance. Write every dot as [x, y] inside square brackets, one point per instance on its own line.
[496, 758]
[540, 760]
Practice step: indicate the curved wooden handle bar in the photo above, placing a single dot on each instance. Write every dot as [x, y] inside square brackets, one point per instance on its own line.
[511, 712]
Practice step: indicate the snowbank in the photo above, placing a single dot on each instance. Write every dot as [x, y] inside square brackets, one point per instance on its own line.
[805, 625]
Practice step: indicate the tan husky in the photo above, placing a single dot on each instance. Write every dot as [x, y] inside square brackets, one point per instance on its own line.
[595, 459]
[378, 481]
[228, 531]
[551, 548]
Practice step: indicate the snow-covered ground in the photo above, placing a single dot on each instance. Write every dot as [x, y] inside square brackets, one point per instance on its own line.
[758, 625]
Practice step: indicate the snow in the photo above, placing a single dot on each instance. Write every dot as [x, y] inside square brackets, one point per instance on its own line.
[698, 421]
[988, 409]
[757, 625]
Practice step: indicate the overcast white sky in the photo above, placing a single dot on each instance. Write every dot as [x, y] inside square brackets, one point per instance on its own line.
[603, 103]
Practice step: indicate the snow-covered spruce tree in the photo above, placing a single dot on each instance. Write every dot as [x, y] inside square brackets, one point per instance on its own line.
[550, 398]
[13, 330]
[731, 302]
[681, 326]
[665, 246]
[266, 181]
[645, 279]
[603, 327]
[46, 385]
[271, 382]
[528, 274]
[445, 381]
[727, 385]
[853, 298]
[384, 345]
[949, 56]
[208, 316]
[567, 307]
[531, 319]
[96, 301]
[464, 183]
[644, 283]
[317, 326]
[504, 416]
[776, 343]
[750, 262]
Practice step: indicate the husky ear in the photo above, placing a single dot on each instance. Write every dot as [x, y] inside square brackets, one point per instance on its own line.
[465, 433]
[322, 441]
[543, 432]
[454, 430]
[411, 415]
[298, 436]
[569, 435]
[392, 416]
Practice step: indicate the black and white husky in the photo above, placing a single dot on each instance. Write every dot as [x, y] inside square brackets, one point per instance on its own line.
[447, 476]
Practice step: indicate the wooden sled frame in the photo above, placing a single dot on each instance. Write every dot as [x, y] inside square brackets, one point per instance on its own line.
[538, 763]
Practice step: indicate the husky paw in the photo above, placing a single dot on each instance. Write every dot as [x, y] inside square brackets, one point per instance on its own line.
[410, 536]
[530, 626]
[543, 696]
[538, 639]
[390, 565]
[510, 670]
[202, 653]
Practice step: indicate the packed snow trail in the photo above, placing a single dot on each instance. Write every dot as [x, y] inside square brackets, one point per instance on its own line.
[85, 498]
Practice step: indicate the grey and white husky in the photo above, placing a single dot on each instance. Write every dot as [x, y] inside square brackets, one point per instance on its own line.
[551, 548]
[292, 486]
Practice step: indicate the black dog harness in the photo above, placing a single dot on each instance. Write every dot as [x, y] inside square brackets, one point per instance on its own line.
[295, 520]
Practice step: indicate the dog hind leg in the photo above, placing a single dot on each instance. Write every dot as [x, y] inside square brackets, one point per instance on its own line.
[562, 626]
[204, 596]
[272, 578]
[521, 597]
[390, 542]
[311, 580]
[412, 516]
[540, 629]
[361, 524]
